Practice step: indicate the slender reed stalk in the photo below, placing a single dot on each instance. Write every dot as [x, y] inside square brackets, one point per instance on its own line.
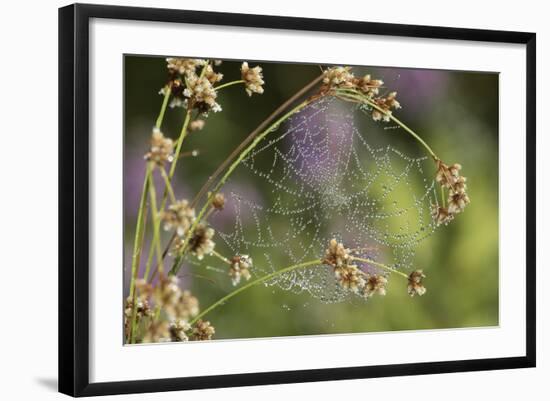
[155, 242]
[352, 94]
[252, 283]
[221, 257]
[142, 212]
[142, 218]
[183, 134]
[160, 118]
[132, 336]
[383, 266]
[240, 81]
[150, 189]
[164, 253]
[168, 185]
[140, 232]
[156, 224]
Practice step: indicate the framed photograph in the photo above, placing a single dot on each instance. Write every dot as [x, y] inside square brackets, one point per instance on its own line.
[249, 199]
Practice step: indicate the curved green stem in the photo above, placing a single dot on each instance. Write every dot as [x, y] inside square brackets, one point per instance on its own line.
[358, 96]
[155, 242]
[383, 266]
[136, 255]
[141, 220]
[160, 118]
[252, 283]
[224, 178]
[168, 185]
[182, 136]
[240, 81]
[221, 257]
[140, 231]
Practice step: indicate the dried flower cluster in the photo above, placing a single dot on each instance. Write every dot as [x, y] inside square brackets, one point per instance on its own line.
[449, 178]
[218, 201]
[202, 331]
[162, 148]
[415, 286]
[253, 79]
[385, 104]
[348, 275]
[184, 66]
[201, 93]
[178, 308]
[178, 330]
[375, 284]
[196, 125]
[370, 87]
[343, 78]
[212, 75]
[158, 331]
[143, 310]
[178, 216]
[336, 255]
[338, 77]
[240, 267]
[201, 242]
[352, 278]
[192, 84]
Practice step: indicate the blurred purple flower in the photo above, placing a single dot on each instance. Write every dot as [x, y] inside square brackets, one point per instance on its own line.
[319, 135]
[417, 89]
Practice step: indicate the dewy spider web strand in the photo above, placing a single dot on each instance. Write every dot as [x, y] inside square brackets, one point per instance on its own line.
[320, 178]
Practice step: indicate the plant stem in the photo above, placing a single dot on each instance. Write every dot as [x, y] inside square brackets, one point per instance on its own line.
[221, 257]
[134, 323]
[149, 185]
[168, 185]
[155, 243]
[252, 284]
[442, 197]
[357, 96]
[160, 118]
[240, 81]
[183, 133]
[156, 223]
[383, 266]
[136, 255]
[140, 226]
[164, 253]
[169, 244]
[182, 136]
[224, 178]
[192, 153]
[148, 264]
[141, 221]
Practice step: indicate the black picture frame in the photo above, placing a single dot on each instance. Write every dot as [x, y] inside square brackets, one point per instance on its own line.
[74, 198]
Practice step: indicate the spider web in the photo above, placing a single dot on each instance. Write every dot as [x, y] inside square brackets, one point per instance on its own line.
[321, 177]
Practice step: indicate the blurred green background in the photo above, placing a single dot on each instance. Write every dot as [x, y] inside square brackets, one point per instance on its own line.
[455, 112]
